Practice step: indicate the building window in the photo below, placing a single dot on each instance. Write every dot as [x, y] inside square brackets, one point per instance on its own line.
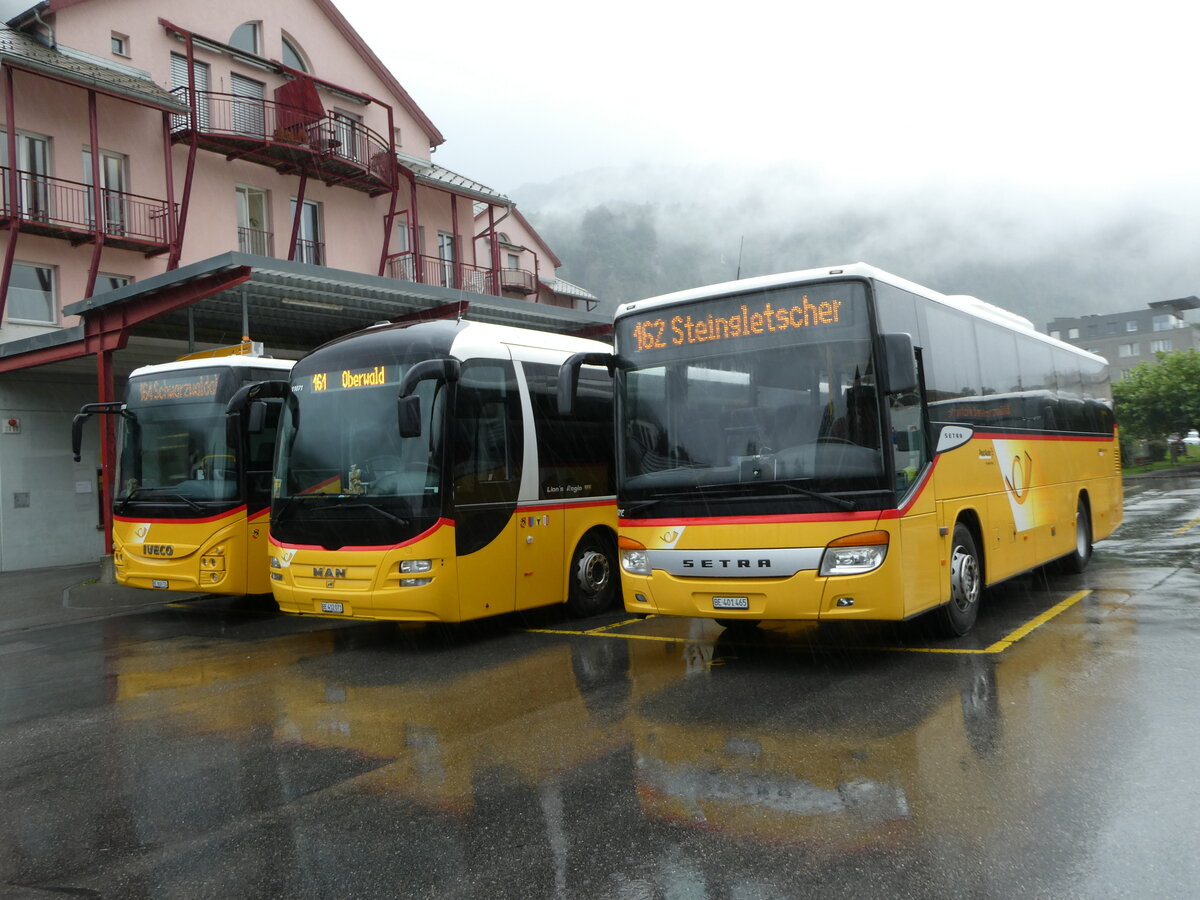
[248, 113]
[1131, 325]
[33, 172]
[120, 44]
[292, 56]
[254, 230]
[1054, 334]
[1160, 346]
[1164, 323]
[349, 141]
[245, 37]
[31, 294]
[1126, 350]
[309, 247]
[113, 197]
[105, 282]
[1072, 334]
[446, 255]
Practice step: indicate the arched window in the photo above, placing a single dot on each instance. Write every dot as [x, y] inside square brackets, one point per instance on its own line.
[245, 37]
[292, 55]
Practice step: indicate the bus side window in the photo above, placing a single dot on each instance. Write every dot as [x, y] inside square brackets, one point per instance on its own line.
[909, 446]
[487, 434]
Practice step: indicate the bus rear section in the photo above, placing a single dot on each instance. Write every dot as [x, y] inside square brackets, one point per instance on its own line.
[843, 444]
[425, 475]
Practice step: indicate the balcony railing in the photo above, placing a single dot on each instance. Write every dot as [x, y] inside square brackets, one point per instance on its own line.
[312, 252]
[60, 208]
[256, 241]
[476, 279]
[332, 148]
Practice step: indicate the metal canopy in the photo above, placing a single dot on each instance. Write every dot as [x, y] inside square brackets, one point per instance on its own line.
[298, 306]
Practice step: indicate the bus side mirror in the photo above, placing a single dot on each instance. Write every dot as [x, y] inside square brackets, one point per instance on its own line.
[77, 433]
[256, 419]
[899, 363]
[112, 407]
[408, 404]
[408, 410]
[568, 376]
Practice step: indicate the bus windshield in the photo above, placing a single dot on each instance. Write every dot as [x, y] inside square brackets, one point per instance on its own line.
[757, 394]
[342, 457]
[176, 444]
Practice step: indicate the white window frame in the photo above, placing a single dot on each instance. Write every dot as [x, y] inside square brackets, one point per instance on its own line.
[1127, 351]
[120, 44]
[8, 310]
[310, 230]
[1162, 345]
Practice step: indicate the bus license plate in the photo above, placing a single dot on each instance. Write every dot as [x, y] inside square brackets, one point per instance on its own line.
[731, 602]
[159, 583]
[331, 607]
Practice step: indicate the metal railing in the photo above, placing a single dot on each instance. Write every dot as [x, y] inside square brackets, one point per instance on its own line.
[312, 252]
[256, 241]
[441, 273]
[69, 204]
[328, 136]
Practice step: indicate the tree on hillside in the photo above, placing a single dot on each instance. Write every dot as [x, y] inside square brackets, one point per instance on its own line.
[1158, 398]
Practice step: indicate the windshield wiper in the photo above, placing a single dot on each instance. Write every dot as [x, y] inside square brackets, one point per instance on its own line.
[137, 490]
[363, 504]
[737, 492]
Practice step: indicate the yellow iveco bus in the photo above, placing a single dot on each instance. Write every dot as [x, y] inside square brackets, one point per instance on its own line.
[843, 444]
[425, 474]
[190, 506]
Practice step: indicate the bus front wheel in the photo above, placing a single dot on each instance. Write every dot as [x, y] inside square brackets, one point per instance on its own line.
[966, 585]
[593, 586]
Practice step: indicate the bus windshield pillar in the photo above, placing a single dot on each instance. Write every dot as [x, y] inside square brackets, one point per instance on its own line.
[108, 444]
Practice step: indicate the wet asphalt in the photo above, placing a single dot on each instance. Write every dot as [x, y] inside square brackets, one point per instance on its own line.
[162, 747]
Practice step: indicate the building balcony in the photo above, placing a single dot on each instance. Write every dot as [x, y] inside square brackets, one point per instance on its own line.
[443, 273]
[335, 150]
[55, 207]
[520, 281]
[311, 252]
[256, 241]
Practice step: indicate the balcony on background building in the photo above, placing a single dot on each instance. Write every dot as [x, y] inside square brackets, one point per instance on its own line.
[55, 207]
[520, 281]
[443, 273]
[311, 252]
[256, 241]
[292, 140]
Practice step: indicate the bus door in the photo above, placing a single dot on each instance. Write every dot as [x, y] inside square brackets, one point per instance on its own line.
[486, 449]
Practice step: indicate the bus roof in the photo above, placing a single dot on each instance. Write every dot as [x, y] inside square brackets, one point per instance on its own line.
[214, 362]
[965, 303]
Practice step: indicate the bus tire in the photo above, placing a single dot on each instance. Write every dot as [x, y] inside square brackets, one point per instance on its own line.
[1076, 561]
[966, 585]
[593, 577]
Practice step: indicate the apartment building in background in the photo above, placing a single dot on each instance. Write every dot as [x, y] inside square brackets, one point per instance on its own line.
[1127, 339]
[178, 176]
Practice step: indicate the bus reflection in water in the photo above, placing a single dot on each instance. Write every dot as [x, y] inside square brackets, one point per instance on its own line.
[842, 444]
[425, 474]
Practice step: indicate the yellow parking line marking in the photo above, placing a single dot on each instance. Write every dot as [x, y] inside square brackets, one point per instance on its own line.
[1190, 525]
[1000, 646]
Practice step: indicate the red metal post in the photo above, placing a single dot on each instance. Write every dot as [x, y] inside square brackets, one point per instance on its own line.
[170, 179]
[98, 211]
[296, 215]
[389, 221]
[458, 260]
[414, 223]
[14, 187]
[193, 149]
[106, 392]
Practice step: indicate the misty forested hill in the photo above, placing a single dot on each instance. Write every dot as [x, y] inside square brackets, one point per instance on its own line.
[625, 234]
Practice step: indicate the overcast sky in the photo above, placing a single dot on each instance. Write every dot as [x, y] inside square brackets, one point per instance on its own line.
[1040, 93]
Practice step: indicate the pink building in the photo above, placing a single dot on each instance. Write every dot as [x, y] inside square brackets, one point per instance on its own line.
[175, 176]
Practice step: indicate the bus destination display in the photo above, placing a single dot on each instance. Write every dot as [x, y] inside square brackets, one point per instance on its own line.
[751, 320]
[349, 378]
[190, 387]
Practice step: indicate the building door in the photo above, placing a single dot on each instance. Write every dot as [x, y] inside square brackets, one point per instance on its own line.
[33, 173]
[179, 83]
[309, 247]
[248, 112]
[113, 196]
[446, 255]
[254, 231]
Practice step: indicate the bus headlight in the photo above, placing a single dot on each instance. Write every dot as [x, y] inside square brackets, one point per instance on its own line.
[275, 563]
[414, 566]
[634, 558]
[855, 554]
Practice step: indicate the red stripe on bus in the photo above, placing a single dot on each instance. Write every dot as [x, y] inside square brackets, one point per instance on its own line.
[239, 511]
[440, 523]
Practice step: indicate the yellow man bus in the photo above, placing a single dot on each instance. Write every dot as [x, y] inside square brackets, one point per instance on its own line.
[425, 474]
[843, 444]
[190, 506]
